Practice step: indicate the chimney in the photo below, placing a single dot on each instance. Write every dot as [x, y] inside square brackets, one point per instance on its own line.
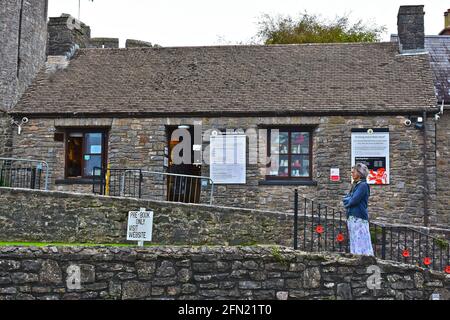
[447, 19]
[446, 30]
[65, 35]
[411, 29]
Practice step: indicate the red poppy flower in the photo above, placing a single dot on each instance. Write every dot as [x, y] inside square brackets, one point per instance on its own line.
[447, 269]
[427, 261]
[405, 253]
[319, 229]
[340, 237]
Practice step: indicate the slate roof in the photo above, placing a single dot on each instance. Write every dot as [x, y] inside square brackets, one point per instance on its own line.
[233, 80]
[439, 49]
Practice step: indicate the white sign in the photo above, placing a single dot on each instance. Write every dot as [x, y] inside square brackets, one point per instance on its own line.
[334, 175]
[228, 159]
[371, 147]
[140, 225]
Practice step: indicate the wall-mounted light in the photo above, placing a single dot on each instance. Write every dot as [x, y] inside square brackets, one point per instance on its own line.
[19, 125]
[184, 127]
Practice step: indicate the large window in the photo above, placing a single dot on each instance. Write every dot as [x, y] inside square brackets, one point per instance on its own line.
[85, 150]
[290, 152]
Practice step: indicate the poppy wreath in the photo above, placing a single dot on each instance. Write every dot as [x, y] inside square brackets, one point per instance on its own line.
[447, 269]
[427, 261]
[340, 237]
[405, 253]
[319, 229]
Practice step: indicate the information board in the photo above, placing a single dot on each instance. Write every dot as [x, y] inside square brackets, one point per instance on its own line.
[228, 159]
[371, 147]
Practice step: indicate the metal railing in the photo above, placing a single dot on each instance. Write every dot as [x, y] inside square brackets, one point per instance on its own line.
[318, 227]
[164, 186]
[24, 173]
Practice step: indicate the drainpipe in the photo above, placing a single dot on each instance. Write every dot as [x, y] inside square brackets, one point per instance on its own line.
[425, 175]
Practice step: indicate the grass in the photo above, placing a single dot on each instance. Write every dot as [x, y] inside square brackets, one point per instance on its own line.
[63, 244]
[59, 244]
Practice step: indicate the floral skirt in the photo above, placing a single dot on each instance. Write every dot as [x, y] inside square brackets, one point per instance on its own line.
[359, 236]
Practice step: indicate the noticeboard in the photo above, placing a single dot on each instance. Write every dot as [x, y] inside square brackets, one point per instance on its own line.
[371, 147]
[228, 159]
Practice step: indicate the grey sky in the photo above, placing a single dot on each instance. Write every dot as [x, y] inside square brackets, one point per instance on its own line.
[212, 22]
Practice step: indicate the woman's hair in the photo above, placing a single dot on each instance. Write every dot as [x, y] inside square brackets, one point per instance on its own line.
[362, 170]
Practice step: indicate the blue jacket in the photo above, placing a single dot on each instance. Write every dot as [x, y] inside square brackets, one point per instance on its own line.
[356, 202]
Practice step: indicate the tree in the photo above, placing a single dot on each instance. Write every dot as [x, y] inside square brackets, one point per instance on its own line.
[310, 28]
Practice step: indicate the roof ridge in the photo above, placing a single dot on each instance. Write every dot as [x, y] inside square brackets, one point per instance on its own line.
[386, 43]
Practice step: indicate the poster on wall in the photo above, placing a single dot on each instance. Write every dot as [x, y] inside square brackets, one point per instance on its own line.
[371, 147]
[228, 159]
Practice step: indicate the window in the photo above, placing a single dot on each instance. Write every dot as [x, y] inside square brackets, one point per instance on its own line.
[290, 153]
[85, 150]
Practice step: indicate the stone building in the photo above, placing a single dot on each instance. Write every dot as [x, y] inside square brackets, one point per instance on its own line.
[438, 47]
[123, 106]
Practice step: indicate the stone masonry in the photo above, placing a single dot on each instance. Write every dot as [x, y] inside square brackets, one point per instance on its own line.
[5, 135]
[51, 216]
[199, 273]
[443, 164]
[22, 51]
[140, 143]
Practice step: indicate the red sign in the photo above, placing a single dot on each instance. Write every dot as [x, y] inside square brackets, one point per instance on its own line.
[334, 175]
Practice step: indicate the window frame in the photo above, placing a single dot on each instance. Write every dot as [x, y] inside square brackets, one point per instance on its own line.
[290, 129]
[84, 131]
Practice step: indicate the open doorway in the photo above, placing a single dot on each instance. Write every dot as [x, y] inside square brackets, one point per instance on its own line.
[182, 186]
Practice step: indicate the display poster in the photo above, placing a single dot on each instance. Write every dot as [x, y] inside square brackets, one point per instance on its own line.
[371, 147]
[228, 159]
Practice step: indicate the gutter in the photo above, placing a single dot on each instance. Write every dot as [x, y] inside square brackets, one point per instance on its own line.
[419, 112]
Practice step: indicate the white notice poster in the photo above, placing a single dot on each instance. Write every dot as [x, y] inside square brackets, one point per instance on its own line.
[371, 147]
[228, 159]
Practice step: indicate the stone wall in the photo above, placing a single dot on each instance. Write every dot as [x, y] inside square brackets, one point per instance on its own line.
[443, 165]
[5, 135]
[104, 43]
[140, 143]
[78, 218]
[20, 63]
[131, 43]
[262, 273]
[32, 215]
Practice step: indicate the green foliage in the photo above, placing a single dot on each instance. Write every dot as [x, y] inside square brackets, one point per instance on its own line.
[310, 28]
[278, 256]
[442, 243]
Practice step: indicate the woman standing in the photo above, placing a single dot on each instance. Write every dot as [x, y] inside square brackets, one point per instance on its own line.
[356, 203]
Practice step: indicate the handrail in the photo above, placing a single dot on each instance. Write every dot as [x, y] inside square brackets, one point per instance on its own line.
[122, 174]
[32, 161]
[186, 176]
[390, 241]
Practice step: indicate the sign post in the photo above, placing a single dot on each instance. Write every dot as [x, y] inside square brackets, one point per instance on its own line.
[140, 226]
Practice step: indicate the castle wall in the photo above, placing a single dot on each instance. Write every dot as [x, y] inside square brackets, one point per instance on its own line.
[23, 39]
